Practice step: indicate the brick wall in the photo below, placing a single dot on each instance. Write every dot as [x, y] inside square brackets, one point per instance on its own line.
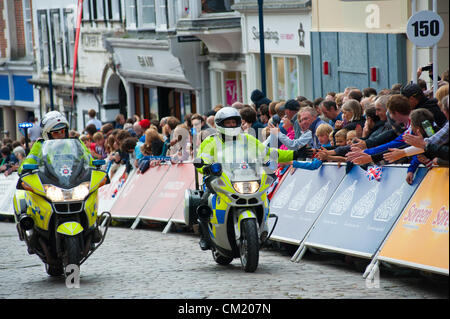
[20, 31]
[3, 42]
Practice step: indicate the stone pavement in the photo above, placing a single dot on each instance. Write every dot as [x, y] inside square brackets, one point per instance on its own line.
[144, 263]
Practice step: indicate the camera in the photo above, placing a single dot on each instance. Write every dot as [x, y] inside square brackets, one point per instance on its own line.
[427, 68]
[276, 120]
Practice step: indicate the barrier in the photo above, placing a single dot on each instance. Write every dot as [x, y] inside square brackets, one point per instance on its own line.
[168, 195]
[300, 199]
[7, 190]
[137, 192]
[361, 213]
[108, 194]
[420, 238]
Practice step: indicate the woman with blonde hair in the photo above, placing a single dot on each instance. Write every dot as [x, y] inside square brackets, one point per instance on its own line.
[352, 115]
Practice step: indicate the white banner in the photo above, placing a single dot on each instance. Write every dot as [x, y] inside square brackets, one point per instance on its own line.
[7, 190]
[285, 34]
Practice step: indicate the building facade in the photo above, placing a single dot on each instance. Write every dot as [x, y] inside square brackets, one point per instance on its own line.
[364, 44]
[287, 27]
[18, 99]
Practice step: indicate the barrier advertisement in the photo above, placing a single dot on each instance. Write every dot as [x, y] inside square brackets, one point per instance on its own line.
[137, 192]
[300, 200]
[420, 238]
[169, 194]
[7, 190]
[362, 211]
[107, 194]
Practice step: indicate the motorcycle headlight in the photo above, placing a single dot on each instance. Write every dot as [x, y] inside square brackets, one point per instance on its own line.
[246, 187]
[56, 194]
[81, 191]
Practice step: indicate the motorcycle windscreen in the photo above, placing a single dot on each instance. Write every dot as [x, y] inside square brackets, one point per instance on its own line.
[64, 163]
[241, 159]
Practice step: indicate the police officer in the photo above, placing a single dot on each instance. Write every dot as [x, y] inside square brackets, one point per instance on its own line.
[231, 145]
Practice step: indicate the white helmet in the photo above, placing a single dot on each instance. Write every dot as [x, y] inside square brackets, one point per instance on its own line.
[53, 121]
[224, 114]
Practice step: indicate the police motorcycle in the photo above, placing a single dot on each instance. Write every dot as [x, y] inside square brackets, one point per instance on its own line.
[236, 216]
[56, 206]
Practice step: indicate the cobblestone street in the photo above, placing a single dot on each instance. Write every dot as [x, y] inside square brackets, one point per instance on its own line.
[144, 263]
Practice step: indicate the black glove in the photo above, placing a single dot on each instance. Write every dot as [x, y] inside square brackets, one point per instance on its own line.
[304, 152]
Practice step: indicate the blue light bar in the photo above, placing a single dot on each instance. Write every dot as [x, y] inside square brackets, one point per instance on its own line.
[25, 125]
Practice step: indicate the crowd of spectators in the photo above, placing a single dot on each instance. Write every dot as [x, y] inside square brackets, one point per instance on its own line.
[403, 124]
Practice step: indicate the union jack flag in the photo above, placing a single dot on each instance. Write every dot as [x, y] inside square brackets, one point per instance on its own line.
[374, 172]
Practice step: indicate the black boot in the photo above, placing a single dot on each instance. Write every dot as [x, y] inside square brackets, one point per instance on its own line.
[204, 213]
[204, 236]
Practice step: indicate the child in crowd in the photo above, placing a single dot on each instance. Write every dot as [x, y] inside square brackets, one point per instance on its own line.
[350, 136]
[100, 149]
[341, 137]
[323, 132]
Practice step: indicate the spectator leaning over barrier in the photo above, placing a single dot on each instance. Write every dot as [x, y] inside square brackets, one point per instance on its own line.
[417, 100]
[323, 134]
[434, 146]
[399, 110]
[100, 149]
[308, 117]
[373, 125]
[7, 160]
[289, 141]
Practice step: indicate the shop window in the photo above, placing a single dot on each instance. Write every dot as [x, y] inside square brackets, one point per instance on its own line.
[103, 10]
[28, 29]
[227, 87]
[216, 6]
[146, 102]
[69, 37]
[43, 37]
[285, 78]
[57, 40]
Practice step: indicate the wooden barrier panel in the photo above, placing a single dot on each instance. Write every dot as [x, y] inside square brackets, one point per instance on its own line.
[420, 238]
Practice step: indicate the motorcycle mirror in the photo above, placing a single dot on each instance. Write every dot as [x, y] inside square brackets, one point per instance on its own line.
[98, 162]
[198, 164]
[30, 167]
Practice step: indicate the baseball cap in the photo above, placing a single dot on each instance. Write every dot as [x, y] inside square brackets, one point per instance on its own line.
[292, 105]
[411, 89]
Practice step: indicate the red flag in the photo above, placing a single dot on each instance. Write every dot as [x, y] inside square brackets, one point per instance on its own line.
[77, 38]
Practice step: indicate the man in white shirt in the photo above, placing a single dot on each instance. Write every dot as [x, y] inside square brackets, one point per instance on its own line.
[92, 120]
[34, 132]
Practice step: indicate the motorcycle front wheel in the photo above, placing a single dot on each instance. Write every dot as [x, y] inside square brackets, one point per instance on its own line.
[72, 246]
[249, 246]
